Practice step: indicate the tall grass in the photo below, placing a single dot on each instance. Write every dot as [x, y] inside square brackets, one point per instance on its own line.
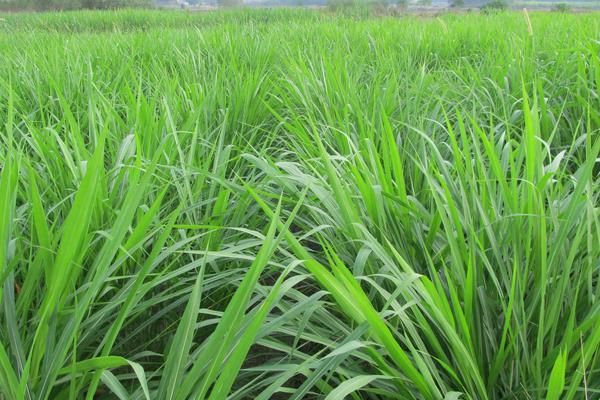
[292, 204]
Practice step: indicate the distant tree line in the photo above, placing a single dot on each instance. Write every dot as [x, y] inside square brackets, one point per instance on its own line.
[486, 6]
[43, 5]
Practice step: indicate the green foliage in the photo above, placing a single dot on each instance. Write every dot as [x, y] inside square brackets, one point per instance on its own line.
[494, 6]
[380, 5]
[110, 4]
[341, 4]
[45, 5]
[357, 8]
[402, 4]
[561, 7]
[457, 3]
[262, 204]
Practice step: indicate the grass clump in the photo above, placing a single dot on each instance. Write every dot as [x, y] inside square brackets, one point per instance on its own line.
[274, 203]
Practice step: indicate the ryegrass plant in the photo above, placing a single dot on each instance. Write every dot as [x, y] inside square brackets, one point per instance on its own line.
[296, 204]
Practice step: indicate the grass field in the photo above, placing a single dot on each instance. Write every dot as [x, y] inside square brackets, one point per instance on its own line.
[277, 204]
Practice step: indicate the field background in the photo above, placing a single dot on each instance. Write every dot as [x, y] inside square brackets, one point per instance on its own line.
[278, 204]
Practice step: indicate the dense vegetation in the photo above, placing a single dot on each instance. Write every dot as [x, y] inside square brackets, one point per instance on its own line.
[291, 204]
[45, 5]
